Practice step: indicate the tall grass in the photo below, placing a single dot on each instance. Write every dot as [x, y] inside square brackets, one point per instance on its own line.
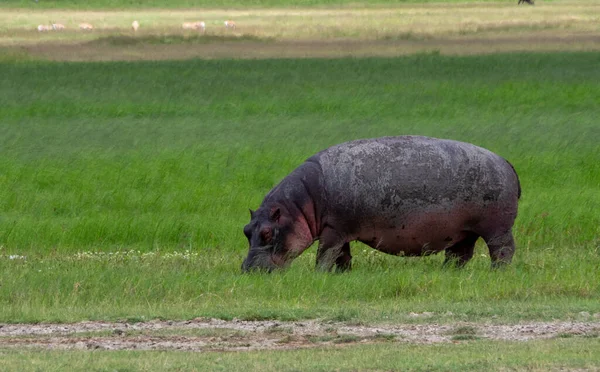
[169, 156]
[540, 285]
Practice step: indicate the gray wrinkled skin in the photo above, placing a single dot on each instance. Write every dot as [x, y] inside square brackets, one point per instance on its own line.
[404, 195]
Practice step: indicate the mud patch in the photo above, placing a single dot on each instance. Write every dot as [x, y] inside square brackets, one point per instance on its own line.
[203, 334]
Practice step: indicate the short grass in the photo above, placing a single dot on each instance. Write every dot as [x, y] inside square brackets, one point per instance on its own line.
[391, 22]
[474, 355]
[463, 330]
[127, 41]
[464, 333]
[164, 157]
[137, 4]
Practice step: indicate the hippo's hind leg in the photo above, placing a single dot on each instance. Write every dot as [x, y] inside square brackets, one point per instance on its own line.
[501, 246]
[461, 252]
[333, 250]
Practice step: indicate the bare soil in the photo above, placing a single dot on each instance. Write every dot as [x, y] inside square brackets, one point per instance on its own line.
[203, 334]
[316, 48]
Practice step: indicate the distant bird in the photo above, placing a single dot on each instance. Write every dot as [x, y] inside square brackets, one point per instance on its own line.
[58, 27]
[86, 26]
[135, 25]
[188, 25]
[230, 24]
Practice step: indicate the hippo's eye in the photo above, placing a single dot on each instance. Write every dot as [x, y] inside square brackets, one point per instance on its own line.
[266, 234]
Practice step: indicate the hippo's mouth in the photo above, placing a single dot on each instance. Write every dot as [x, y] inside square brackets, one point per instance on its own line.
[278, 261]
[263, 259]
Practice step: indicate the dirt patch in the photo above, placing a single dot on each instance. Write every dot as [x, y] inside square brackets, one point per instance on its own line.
[219, 335]
[249, 49]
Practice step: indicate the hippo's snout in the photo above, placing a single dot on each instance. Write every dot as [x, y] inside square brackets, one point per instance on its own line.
[258, 262]
[247, 267]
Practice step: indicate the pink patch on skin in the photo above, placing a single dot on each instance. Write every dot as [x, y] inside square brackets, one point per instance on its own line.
[300, 238]
[308, 211]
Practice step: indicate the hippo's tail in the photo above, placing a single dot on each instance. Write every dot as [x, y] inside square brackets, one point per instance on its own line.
[518, 182]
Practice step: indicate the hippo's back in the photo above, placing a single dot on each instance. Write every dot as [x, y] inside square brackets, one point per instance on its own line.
[391, 178]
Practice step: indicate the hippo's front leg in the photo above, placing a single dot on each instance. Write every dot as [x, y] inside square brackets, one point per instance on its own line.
[333, 249]
[344, 260]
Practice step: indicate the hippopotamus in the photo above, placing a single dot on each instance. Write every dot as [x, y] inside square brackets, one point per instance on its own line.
[403, 195]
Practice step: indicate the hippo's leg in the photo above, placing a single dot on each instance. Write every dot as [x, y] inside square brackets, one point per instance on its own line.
[501, 246]
[344, 260]
[461, 252]
[333, 250]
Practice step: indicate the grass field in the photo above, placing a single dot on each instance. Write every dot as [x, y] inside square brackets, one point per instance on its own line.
[169, 156]
[124, 185]
[563, 354]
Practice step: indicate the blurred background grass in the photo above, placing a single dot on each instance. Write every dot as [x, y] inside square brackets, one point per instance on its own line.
[172, 154]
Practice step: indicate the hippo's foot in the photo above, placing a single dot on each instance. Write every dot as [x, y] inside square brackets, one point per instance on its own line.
[502, 248]
[460, 253]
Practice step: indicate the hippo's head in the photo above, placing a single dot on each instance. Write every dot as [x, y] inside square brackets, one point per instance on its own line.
[268, 233]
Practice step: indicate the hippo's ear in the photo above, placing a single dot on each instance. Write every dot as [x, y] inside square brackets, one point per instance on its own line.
[251, 213]
[275, 214]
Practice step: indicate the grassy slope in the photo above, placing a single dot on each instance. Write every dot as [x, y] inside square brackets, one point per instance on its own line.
[169, 156]
[546, 355]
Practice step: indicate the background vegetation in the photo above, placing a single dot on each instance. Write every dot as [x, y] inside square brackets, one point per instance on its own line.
[119, 4]
[171, 155]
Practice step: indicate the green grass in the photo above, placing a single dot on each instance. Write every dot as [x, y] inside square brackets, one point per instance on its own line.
[14, 56]
[464, 333]
[168, 156]
[379, 289]
[464, 338]
[463, 330]
[557, 354]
